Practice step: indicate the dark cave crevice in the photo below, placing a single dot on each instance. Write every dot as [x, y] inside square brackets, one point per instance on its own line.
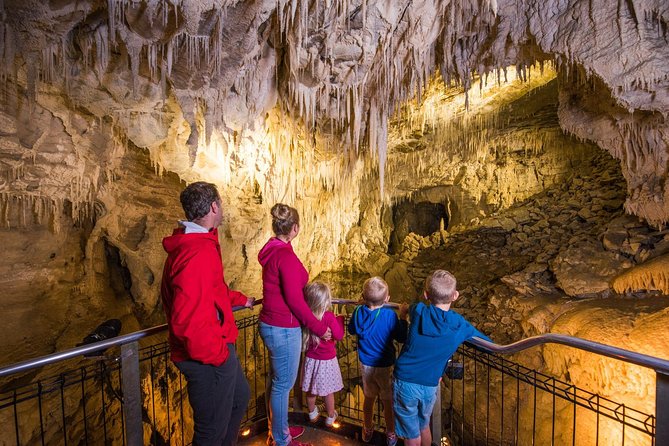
[120, 279]
[420, 217]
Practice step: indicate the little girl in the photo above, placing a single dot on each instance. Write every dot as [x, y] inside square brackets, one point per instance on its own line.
[322, 376]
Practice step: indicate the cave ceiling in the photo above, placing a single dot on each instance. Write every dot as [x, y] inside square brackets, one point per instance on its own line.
[261, 76]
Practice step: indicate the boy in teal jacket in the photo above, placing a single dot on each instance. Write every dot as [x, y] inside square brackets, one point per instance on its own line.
[435, 333]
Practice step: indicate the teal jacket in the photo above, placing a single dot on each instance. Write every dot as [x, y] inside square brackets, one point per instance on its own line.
[434, 335]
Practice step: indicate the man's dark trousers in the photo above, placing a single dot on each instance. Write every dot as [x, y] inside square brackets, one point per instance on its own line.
[219, 397]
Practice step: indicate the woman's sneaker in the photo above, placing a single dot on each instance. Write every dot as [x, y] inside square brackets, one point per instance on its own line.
[391, 439]
[296, 431]
[329, 421]
[367, 434]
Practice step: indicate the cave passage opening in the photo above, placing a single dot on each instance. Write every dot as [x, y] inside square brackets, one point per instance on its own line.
[420, 217]
[120, 279]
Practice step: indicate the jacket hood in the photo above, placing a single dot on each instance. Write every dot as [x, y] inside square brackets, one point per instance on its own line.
[179, 239]
[436, 322]
[272, 246]
[363, 319]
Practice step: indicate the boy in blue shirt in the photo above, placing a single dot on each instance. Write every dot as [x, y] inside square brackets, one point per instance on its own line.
[376, 327]
[435, 334]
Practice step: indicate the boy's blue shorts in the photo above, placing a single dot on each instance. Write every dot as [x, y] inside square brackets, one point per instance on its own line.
[413, 405]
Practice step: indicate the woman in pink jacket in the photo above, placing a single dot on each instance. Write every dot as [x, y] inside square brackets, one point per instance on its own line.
[284, 311]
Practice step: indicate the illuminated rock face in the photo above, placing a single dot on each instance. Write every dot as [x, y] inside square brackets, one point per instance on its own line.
[282, 101]
[622, 323]
[108, 108]
[173, 76]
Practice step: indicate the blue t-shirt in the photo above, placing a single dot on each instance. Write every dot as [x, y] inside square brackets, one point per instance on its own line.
[376, 330]
[434, 335]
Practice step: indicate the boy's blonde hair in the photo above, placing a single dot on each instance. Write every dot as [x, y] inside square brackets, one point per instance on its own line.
[374, 291]
[319, 298]
[440, 287]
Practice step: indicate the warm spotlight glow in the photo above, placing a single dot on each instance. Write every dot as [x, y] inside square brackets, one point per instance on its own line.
[246, 432]
[336, 425]
[470, 129]
[445, 112]
[277, 160]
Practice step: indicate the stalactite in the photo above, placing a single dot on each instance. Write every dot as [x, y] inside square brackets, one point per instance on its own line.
[101, 37]
[29, 209]
[8, 50]
[152, 59]
[218, 47]
[116, 14]
[317, 85]
[650, 275]
[133, 53]
[196, 49]
[443, 125]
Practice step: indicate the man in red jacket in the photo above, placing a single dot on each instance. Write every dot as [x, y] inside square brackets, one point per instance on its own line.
[202, 330]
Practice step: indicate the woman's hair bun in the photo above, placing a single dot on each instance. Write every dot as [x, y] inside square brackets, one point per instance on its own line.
[280, 212]
[284, 218]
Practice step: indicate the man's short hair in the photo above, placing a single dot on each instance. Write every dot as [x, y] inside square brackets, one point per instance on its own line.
[196, 199]
[374, 291]
[440, 287]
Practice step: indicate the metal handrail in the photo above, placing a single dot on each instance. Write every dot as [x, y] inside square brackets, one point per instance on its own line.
[651, 362]
[657, 364]
[78, 351]
[90, 348]
[113, 342]
[131, 387]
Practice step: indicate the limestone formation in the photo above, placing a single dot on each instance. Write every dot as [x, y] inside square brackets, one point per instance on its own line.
[532, 138]
[650, 275]
[191, 81]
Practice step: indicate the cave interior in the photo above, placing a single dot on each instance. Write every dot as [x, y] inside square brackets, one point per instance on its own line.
[523, 147]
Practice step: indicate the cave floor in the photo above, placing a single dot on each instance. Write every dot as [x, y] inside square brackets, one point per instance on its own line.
[317, 437]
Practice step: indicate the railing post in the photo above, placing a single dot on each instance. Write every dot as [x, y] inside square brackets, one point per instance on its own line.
[661, 408]
[132, 394]
[435, 420]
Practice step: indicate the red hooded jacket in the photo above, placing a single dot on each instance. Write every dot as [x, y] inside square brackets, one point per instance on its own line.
[283, 281]
[197, 301]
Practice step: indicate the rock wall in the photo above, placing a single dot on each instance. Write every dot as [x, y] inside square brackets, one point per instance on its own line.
[107, 107]
[342, 109]
[547, 265]
[476, 162]
[185, 79]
